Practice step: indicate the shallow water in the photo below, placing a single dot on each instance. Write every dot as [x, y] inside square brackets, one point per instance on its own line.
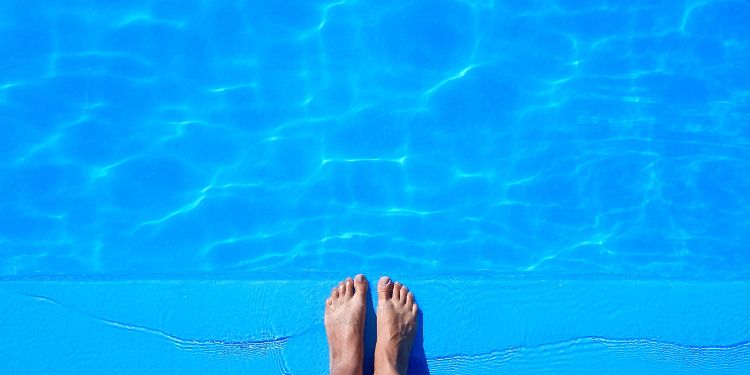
[550, 137]
[469, 326]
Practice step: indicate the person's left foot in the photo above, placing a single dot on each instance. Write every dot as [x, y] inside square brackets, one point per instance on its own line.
[345, 325]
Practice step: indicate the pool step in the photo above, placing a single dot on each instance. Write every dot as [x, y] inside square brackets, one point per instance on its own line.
[470, 326]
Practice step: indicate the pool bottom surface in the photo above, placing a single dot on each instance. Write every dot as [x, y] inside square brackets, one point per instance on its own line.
[468, 326]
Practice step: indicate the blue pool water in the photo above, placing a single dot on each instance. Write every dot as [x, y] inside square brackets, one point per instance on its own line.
[307, 140]
[549, 136]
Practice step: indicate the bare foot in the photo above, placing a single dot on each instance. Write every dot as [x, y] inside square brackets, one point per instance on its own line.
[397, 323]
[345, 324]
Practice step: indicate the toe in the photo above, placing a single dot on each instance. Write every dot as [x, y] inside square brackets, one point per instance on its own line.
[385, 288]
[414, 308]
[410, 298]
[341, 290]
[349, 287]
[360, 284]
[397, 290]
[404, 292]
[334, 293]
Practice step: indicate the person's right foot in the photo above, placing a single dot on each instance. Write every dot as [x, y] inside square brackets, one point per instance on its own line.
[397, 323]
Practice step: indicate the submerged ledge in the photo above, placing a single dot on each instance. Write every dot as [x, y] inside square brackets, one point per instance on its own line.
[470, 325]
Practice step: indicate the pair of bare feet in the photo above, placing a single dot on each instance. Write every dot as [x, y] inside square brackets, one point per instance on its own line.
[345, 326]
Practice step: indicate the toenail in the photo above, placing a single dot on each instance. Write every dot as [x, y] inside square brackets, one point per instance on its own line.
[359, 278]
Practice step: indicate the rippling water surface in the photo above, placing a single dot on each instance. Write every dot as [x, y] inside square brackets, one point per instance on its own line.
[453, 136]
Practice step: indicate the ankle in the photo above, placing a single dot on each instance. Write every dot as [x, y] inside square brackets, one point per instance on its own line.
[384, 369]
[346, 367]
[387, 363]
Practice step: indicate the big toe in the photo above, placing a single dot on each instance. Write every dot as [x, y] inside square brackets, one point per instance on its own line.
[360, 285]
[385, 288]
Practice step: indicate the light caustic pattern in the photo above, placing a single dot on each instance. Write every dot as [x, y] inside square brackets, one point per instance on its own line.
[535, 136]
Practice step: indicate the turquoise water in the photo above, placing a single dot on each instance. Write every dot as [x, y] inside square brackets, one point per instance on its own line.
[562, 184]
[545, 137]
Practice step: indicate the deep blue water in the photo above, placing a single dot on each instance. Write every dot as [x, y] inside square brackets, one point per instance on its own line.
[433, 136]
